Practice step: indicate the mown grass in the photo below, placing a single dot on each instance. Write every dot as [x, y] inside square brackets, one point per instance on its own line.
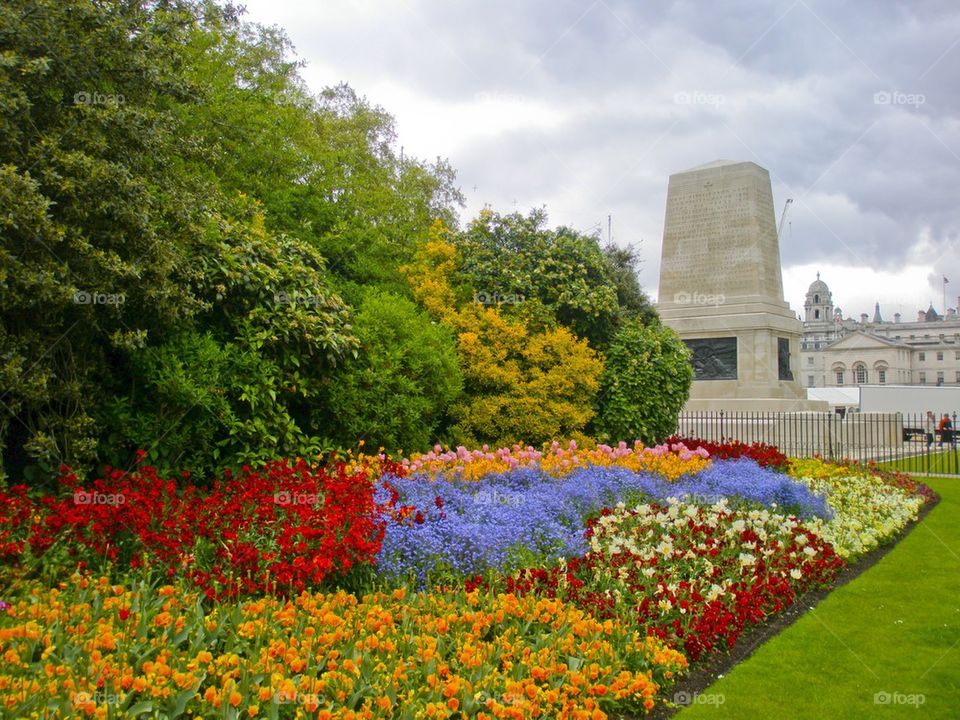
[938, 461]
[887, 645]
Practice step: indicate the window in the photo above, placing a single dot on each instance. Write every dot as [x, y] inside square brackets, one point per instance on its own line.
[939, 356]
[940, 378]
[816, 299]
[810, 360]
[882, 376]
[860, 374]
[922, 357]
[839, 377]
[923, 378]
[816, 314]
[958, 377]
[809, 380]
[957, 357]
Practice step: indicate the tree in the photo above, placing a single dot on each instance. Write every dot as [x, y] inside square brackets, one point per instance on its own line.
[519, 386]
[514, 257]
[398, 390]
[98, 214]
[644, 385]
[633, 301]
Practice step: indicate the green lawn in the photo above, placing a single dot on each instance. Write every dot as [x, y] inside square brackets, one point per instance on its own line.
[946, 461]
[885, 645]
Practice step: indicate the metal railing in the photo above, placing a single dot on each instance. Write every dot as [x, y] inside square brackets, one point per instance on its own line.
[910, 442]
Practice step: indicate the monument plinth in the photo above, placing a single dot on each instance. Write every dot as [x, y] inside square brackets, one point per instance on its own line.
[721, 290]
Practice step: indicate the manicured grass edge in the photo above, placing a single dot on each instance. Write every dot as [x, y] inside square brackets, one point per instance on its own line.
[705, 673]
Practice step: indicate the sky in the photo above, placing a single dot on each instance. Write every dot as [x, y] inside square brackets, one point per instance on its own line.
[586, 108]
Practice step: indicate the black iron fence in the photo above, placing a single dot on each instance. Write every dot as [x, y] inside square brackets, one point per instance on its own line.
[914, 443]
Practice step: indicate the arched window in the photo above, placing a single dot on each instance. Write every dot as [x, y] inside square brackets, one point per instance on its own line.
[816, 299]
[860, 374]
[816, 314]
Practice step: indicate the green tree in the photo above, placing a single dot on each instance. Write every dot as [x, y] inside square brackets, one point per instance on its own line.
[520, 385]
[623, 265]
[644, 385]
[97, 215]
[119, 238]
[512, 260]
[397, 392]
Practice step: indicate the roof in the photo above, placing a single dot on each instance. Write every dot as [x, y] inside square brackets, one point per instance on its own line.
[849, 337]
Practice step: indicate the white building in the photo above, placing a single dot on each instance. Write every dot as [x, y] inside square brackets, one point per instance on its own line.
[837, 351]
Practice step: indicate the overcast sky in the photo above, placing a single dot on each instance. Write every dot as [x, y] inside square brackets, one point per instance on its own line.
[588, 107]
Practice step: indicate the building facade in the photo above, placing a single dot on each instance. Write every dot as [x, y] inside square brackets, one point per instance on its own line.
[837, 351]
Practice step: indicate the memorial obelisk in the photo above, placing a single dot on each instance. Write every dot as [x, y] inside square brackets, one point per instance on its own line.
[721, 290]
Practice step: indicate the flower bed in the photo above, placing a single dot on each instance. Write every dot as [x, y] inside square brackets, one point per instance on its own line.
[669, 460]
[280, 529]
[870, 507]
[691, 575]
[88, 647]
[559, 580]
[524, 517]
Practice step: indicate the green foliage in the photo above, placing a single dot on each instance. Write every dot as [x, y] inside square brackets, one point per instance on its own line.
[520, 385]
[634, 304]
[181, 221]
[644, 385]
[513, 259]
[396, 393]
[93, 209]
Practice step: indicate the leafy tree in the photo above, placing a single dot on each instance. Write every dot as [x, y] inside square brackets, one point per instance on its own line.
[622, 263]
[519, 386]
[514, 257]
[98, 215]
[644, 385]
[127, 237]
[397, 392]
[323, 167]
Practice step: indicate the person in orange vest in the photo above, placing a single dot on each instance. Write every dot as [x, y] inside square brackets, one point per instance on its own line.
[946, 430]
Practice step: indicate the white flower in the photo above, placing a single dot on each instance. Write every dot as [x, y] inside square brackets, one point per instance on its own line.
[796, 574]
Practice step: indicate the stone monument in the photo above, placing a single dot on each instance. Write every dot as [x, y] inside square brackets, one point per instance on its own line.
[721, 290]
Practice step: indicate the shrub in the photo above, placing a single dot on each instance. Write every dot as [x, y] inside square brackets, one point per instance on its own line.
[644, 384]
[398, 390]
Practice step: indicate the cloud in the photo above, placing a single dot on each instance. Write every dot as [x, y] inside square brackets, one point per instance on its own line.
[588, 107]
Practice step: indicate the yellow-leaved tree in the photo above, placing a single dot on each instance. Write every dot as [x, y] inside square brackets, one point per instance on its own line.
[519, 386]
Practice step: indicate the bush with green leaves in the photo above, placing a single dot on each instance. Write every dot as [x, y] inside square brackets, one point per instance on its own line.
[644, 385]
[397, 392]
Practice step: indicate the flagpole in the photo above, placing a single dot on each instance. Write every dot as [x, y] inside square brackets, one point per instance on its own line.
[945, 281]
